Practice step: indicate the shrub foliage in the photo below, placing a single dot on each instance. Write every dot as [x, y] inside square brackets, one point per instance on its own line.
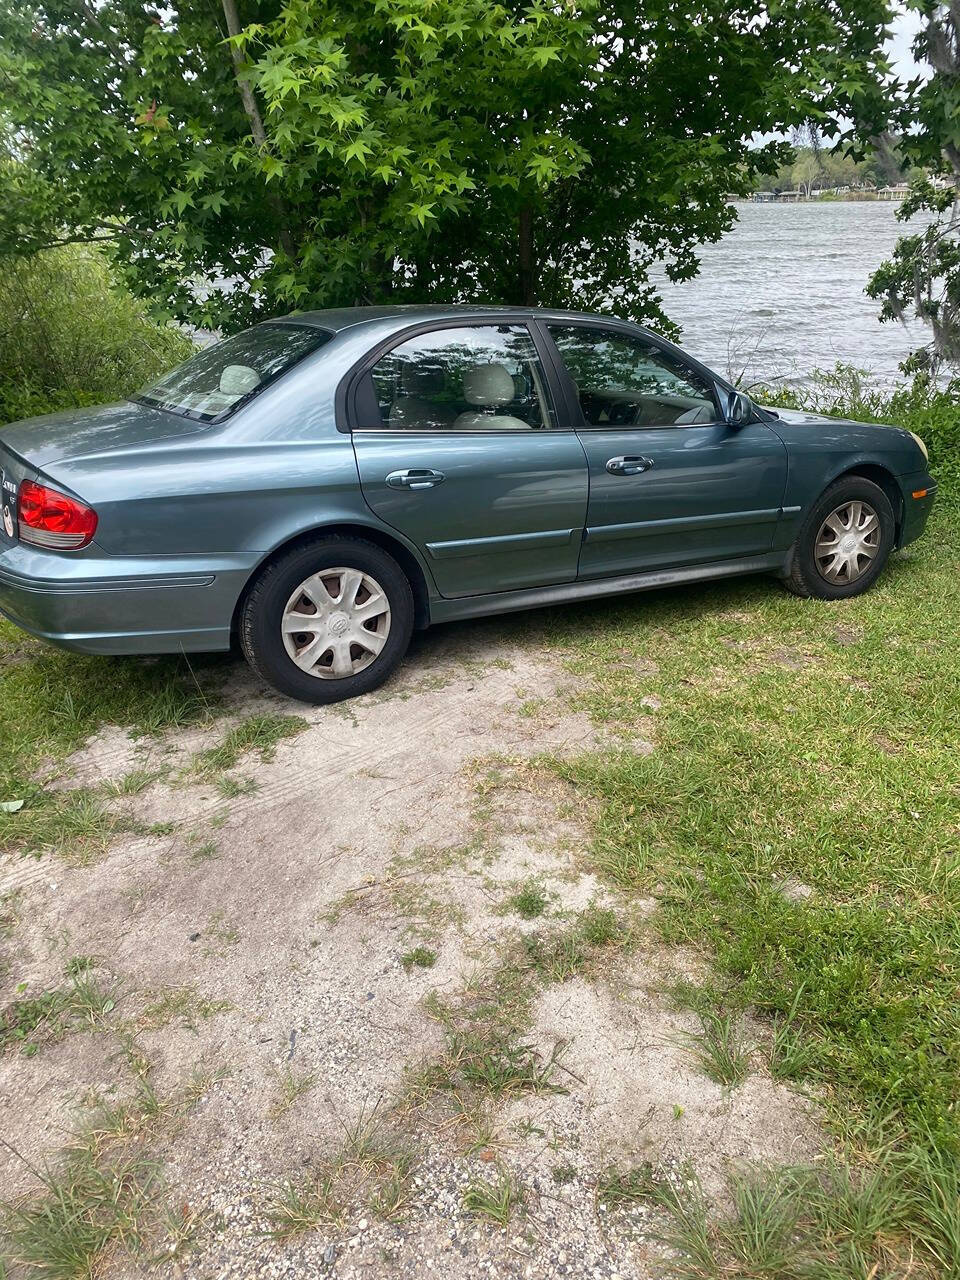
[70, 336]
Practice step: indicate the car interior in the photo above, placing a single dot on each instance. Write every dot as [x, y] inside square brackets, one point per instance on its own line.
[654, 407]
[482, 396]
[624, 381]
[469, 385]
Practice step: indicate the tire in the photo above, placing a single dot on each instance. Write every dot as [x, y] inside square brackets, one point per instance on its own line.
[817, 570]
[335, 652]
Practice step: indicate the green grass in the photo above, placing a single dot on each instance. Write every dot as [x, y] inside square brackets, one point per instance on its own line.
[497, 1201]
[102, 1202]
[486, 1055]
[622, 1187]
[841, 772]
[255, 733]
[132, 783]
[560, 954]
[302, 1204]
[815, 744]
[893, 1214]
[371, 1169]
[791, 1052]
[177, 1006]
[419, 957]
[52, 702]
[230, 788]
[291, 1085]
[719, 1049]
[89, 1207]
[529, 901]
[29, 1021]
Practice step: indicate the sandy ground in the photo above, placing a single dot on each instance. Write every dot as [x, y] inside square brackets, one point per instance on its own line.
[400, 819]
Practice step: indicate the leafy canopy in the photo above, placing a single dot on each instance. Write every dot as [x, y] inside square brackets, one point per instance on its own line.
[923, 277]
[329, 153]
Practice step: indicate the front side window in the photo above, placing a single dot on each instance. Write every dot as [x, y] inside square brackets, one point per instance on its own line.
[623, 380]
[478, 378]
[218, 378]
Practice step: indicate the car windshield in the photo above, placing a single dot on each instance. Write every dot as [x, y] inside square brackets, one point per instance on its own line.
[217, 379]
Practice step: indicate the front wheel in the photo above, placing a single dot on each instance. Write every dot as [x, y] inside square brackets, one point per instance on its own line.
[328, 620]
[845, 541]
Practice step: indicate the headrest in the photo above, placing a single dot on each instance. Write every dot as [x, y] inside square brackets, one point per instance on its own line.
[488, 384]
[238, 379]
[421, 379]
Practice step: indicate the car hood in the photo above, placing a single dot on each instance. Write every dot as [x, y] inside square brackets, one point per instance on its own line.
[75, 433]
[801, 418]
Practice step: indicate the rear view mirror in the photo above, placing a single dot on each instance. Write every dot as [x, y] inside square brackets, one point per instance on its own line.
[736, 408]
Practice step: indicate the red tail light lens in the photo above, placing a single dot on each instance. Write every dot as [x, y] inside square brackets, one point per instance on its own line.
[51, 519]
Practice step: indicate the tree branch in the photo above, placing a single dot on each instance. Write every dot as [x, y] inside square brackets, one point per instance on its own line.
[256, 120]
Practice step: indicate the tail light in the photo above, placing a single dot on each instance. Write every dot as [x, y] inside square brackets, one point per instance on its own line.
[51, 519]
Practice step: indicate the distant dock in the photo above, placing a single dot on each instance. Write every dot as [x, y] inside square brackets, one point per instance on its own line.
[898, 191]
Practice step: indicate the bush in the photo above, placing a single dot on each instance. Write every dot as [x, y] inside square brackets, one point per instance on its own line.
[70, 335]
[932, 412]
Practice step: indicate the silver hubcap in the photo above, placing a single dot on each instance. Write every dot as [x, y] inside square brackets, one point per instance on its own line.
[847, 543]
[336, 623]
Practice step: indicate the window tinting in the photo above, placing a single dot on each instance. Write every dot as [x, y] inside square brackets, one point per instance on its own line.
[624, 381]
[482, 378]
[216, 379]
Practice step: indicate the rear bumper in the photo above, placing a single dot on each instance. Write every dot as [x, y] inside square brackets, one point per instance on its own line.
[116, 605]
[916, 509]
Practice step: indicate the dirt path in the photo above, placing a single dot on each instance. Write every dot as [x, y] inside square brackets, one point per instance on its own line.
[340, 954]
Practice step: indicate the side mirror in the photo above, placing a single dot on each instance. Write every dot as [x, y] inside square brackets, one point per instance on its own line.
[736, 408]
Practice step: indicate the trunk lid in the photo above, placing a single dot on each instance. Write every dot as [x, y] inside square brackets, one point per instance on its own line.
[76, 433]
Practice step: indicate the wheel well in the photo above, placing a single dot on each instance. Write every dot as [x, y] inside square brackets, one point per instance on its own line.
[887, 482]
[406, 561]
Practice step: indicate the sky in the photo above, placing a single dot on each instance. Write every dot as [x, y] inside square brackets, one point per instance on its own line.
[903, 30]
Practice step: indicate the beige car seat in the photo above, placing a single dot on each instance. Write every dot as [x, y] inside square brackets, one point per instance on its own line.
[238, 380]
[416, 405]
[489, 386]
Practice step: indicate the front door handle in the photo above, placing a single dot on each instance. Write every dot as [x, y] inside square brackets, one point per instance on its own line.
[629, 466]
[415, 478]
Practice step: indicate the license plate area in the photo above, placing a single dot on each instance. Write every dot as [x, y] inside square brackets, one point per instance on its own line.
[8, 508]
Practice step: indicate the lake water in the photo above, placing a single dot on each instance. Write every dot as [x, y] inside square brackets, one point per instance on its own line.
[783, 293]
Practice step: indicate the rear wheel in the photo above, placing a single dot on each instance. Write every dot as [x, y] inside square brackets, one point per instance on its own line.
[328, 620]
[844, 542]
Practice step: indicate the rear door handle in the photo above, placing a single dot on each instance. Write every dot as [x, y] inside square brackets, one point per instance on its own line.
[415, 478]
[629, 466]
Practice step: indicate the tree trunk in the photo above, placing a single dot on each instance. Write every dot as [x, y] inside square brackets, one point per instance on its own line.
[256, 121]
[526, 266]
[375, 285]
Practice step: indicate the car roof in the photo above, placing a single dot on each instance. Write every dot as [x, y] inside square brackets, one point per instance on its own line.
[339, 318]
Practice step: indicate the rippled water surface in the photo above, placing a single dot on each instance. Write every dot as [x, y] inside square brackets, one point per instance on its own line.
[783, 293]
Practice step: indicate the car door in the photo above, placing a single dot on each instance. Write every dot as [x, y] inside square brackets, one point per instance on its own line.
[671, 483]
[458, 447]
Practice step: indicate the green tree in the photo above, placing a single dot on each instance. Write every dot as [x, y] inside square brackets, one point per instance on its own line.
[317, 152]
[806, 171]
[922, 279]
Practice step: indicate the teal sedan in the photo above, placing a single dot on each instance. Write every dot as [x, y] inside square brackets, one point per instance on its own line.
[318, 487]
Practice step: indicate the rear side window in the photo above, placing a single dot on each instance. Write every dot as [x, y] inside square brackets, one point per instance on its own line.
[221, 377]
[623, 380]
[478, 378]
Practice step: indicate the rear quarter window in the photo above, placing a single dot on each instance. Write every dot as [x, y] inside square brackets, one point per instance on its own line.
[216, 381]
